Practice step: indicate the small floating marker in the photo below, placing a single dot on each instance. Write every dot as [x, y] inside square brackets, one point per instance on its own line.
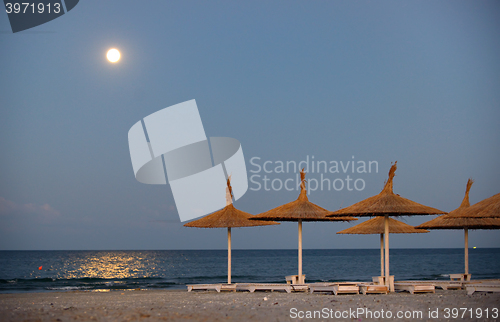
[474, 247]
[40, 268]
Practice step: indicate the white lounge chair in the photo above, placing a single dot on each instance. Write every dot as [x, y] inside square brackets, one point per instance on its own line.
[445, 285]
[482, 287]
[335, 288]
[252, 287]
[415, 287]
[294, 279]
[460, 277]
[300, 287]
[345, 288]
[321, 287]
[367, 288]
[215, 287]
[380, 280]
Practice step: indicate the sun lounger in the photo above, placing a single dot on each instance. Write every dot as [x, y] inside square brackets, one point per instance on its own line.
[415, 287]
[448, 285]
[335, 288]
[345, 288]
[445, 285]
[294, 279]
[380, 280]
[252, 287]
[215, 287]
[366, 288]
[321, 287]
[488, 281]
[483, 287]
[460, 277]
[300, 287]
[228, 287]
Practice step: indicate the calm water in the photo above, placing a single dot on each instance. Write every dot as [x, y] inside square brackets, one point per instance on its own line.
[173, 269]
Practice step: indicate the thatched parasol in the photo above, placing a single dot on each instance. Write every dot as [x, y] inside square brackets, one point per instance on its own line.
[453, 221]
[377, 226]
[228, 217]
[387, 203]
[299, 210]
[487, 208]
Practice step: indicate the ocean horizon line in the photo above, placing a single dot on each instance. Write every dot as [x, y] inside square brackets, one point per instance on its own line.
[233, 249]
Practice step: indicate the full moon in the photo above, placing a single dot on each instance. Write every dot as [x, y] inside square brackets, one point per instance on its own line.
[113, 55]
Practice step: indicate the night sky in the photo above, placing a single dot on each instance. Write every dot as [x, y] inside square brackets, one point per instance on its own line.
[412, 81]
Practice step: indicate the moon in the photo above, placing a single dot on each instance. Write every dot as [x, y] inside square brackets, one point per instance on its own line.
[113, 55]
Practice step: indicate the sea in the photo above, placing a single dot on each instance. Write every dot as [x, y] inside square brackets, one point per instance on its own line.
[48, 271]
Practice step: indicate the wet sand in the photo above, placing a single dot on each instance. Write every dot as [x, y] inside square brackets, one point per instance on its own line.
[163, 305]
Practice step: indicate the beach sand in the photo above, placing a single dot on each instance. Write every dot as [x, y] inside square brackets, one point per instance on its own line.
[179, 305]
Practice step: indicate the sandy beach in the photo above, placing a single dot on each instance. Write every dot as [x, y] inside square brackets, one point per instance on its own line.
[179, 305]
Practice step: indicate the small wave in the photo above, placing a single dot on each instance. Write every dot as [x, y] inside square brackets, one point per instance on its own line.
[2, 281]
[67, 288]
[24, 280]
[167, 283]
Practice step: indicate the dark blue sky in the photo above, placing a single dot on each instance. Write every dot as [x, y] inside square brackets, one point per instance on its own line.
[414, 81]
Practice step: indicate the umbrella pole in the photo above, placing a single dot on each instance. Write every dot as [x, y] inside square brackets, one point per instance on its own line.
[300, 253]
[381, 254]
[386, 238]
[228, 255]
[466, 237]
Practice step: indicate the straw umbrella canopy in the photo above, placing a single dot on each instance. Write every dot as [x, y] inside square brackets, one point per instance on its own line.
[487, 208]
[453, 221]
[377, 226]
[228, 217]
[386, 204]
[299, 210]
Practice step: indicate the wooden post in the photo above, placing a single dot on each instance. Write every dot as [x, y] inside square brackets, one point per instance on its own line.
[300, 280]
[386, 238]
[466, 237]
[381, 254]
[228, 255]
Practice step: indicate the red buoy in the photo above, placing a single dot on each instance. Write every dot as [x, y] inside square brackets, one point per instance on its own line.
[40, 268]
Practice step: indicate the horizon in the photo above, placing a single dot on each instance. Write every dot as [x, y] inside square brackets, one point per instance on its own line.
[222, 249]
[413, 82]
